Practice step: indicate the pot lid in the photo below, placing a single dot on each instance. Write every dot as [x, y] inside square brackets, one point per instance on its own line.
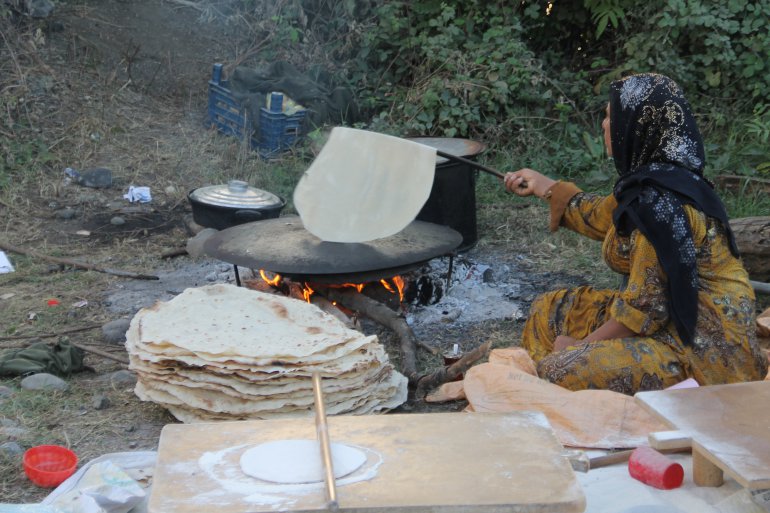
[452, 145]
[235, 194]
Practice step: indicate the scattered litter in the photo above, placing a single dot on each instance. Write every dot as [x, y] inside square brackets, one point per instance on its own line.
[7, 295]
[138, 194]
[84, 233]
[5, 264]
[80, 304]
[98, 178]
[53, 302]
[31, 316]
[111, 483]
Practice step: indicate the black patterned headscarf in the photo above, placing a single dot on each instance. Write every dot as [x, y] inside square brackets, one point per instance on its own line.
[658, 152]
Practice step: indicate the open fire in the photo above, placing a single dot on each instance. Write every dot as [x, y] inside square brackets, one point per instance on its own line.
[394, 285]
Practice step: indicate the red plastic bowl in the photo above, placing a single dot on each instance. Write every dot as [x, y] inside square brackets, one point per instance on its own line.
[49, 465]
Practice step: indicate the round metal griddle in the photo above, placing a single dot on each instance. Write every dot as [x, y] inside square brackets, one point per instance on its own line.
[283, 246]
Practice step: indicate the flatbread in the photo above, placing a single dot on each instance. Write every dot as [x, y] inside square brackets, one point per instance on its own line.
[298, 461]
[224, 322]
[364, 186]
[222, 352]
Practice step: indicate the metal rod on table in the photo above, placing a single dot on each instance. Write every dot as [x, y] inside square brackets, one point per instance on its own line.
[322, 430]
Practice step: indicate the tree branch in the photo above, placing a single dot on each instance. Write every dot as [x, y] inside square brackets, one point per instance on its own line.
[91, 267]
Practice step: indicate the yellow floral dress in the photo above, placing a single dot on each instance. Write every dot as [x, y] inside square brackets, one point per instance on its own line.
[725, 349]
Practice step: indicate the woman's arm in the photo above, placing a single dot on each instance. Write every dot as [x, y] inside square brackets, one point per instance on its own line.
[591, 215]
[526, 182]
[609, 330]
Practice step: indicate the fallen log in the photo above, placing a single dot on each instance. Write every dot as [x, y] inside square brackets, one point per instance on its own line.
[752, 236]
[82, 265]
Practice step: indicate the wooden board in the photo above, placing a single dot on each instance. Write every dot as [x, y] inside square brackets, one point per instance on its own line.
[729, 426]
[448, 462]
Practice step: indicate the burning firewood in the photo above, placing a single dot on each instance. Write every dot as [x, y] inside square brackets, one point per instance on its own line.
[446, 374]
[388, 318]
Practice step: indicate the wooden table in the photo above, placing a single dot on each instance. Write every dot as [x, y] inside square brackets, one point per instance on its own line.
[448, 462]
[729, 426]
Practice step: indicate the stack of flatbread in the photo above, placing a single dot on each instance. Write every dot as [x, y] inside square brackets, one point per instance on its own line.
[222, 352]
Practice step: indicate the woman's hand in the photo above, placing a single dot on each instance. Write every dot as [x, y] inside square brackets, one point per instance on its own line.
[526, 182]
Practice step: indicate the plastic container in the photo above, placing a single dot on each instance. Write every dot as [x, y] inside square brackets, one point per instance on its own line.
[451, 357]
[277, 130]
[49, 466]
[655, 469]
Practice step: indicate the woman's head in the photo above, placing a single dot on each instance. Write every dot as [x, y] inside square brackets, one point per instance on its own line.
[652, 122]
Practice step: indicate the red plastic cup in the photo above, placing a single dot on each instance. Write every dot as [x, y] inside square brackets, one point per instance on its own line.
[53, 302]
[49, 465]
[655, 469]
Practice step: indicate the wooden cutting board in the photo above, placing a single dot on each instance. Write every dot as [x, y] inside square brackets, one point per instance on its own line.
[729, 426]
[415, 463]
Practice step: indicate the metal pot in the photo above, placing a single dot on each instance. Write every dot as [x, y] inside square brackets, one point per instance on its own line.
[452, 200]
[223, 206]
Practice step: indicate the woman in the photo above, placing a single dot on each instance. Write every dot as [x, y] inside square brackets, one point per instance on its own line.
[687, 308]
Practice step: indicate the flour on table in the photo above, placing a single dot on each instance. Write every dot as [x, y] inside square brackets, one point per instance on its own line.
[224, 471]
[298, 461]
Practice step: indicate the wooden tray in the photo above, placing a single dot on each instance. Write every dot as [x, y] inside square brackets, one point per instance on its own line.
[449, 462]
[729, 426]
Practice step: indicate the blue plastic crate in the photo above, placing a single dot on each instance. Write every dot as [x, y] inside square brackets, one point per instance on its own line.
[276, 132]
[225, 112]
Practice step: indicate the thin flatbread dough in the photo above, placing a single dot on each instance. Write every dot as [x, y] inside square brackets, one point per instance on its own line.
[364, 186]
[298, 461]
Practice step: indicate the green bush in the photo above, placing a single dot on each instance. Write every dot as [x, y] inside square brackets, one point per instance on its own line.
[721, 46]
[457, 69]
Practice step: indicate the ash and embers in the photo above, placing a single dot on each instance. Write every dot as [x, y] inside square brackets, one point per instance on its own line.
[475, 292]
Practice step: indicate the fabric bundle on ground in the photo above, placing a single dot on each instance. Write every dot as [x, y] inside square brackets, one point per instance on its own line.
[598, 419]
[222, 352]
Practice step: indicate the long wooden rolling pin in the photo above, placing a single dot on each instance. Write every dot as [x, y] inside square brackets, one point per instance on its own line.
[322, 430]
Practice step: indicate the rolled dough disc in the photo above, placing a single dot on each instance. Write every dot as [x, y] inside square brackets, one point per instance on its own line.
[298, 461]
[364, 186]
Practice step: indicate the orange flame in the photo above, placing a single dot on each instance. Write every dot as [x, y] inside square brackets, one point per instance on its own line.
[398, 281]
[307, 292]
[400, 284]
[274, 281]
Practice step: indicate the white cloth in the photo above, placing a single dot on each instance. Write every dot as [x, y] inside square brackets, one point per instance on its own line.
[138, 194]
[5, 264]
